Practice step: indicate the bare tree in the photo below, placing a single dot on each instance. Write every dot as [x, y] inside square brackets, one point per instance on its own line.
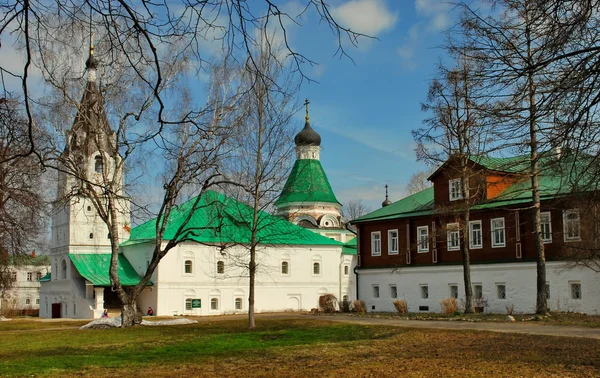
[354, 209]
[418, 182]
[263, 151]
[453, 134]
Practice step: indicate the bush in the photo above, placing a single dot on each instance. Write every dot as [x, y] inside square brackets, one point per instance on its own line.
[359, 306]
[401, 306]
[328, 303]
[449, 306]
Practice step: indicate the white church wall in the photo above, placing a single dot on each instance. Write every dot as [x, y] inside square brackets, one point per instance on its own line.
[275, 290]
[518, 279]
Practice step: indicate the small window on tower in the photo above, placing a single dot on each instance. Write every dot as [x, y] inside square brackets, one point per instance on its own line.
[98, 164]
[89, 208]
[91, 235]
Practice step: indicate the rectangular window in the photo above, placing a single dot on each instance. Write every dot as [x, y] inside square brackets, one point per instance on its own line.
[453, 234]
[571, 224]
[424, 292]
[38, 276]
[454, 189]
[547, 291]
[478, 291]
[498, 236]
[375, 291]
[501, 291]
[546, 227]
[29, 276]
[13, 276]
[393, 291]
[423, 238]
[575, 290]
[454, 291]
[475, 235]
[392, 242]
[376, 243]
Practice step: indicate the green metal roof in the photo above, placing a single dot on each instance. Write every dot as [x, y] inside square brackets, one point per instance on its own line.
[557, 178]
[46, 278]
[94, 268]
[349, 248]
[218, 219]
[307, 183]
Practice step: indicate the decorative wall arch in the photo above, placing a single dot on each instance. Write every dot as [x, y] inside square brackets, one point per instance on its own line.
[63, 269]
[307, 218]
[329, 221]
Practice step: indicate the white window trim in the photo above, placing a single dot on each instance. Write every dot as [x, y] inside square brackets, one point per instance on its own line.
[392, 287]
[376, 290]
[390, 251]
[546, 213]
[191, 266]
[498, 284]
[450, 286]
[373, 252]
[571, 283]
[312, 268]
[288, 268]
[419, 248]
[494, 245]
[421, 292]
[471, 245]
[451, 228]
[459, 196]
[565, 229]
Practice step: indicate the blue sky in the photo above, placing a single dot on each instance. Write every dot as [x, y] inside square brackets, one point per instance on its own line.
[364, 108]
[365, 111]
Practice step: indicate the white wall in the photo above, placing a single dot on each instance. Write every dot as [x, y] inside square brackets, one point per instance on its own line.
[518, 278]
[297, 290]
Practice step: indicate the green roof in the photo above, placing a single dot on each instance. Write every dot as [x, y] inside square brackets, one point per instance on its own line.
[349, 248]
[218, 219]
[307, 183]
[46, 278]
[94, 267]
[555, 180]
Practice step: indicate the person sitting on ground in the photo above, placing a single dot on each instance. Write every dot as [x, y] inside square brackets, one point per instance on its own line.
[105, 314]
[150, 312]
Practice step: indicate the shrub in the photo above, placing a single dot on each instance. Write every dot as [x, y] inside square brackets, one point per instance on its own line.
[359, 306]
[449, 306]
[328, 303]
[401, 306]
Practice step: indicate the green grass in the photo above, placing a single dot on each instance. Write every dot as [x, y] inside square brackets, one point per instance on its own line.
[285, 347]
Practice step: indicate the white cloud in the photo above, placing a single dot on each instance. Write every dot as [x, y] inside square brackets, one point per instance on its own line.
[437, 12]
[370, 17]
[407, 55]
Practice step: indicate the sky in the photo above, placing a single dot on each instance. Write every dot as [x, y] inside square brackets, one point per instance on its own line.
[365, 105]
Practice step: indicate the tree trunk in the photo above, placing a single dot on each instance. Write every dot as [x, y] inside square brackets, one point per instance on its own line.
[130, 315]
[464, 247]
[252, 268]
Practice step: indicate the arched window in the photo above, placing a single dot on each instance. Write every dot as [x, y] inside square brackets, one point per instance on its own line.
[238, 303]
[220, 267]
[64, 270]
[285, 267]
[188, 266]
[27, 301]
[98, 164]
[316, 268]
[91, 235]
[346, 270]
[214, 304]
[37, 301]
[188, 304]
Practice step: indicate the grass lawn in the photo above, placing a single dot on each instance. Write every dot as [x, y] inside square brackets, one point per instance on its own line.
[287, 348]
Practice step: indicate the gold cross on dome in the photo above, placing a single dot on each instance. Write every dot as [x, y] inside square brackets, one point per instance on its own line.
[306, 102]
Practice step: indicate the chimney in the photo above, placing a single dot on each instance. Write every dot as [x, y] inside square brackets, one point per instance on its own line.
[33, 254]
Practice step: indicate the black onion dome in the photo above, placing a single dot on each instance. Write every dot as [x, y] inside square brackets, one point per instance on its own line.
[386, 202]
[307, 136]
[91, 63]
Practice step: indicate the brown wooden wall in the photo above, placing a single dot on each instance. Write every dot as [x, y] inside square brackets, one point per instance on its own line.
[518, 230]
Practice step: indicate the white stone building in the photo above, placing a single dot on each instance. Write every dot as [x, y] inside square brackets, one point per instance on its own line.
[25, 292]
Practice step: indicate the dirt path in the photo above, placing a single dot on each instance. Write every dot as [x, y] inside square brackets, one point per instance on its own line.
[508, 327]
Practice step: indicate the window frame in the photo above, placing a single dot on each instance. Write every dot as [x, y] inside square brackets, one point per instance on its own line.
[346, 270]
[394, 291]
[475, 295]
[471, 238]
[572, 285]
[420, 240]
[285, 264]
[188, 301]
[450, 288]
[500, 289]
[220, 267]
[316, 268]
[376, 242]
[376, 291]
[214, 304]
[449, 234]
[566, 213]
[493, 231]
[424, 291]
[391, 239]
[185, 266]
[29, 276]
[549, 223]
[235, 304]
[455, 184]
